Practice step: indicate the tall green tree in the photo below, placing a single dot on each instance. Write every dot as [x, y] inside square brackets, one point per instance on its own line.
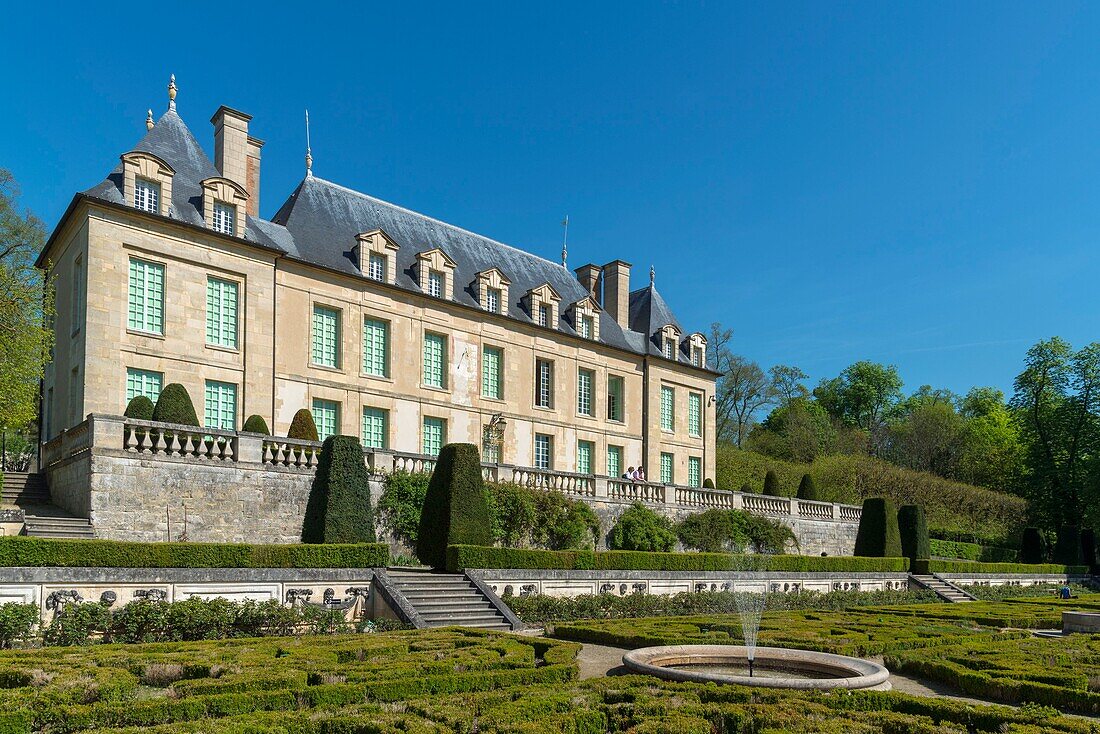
[26, 308]
[993, 454]
[787, 384]
[1057, 400]
[742, 389]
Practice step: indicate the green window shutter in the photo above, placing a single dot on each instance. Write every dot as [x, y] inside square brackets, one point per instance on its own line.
[695, 471]
[491, 359]
[145, 308]
[376, 337]
[668, 398]
[614, 461]
[326, 414]
[584, 392]
[666, 468]
[220, 405]
[221, 313]
[544, 447]
[584, 457]
[374, 427]
[695, 414]
[326, 332]
[614, 398]
[143, 382]
[435, 360]
[434, 435]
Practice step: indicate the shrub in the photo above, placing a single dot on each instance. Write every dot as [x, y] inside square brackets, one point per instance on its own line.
[139, 408]
[455, 511]
[256, 424]
[771, 484]
[75, 624]
[400, 504]
[718, 531]
[174, 406]
[512, 509]
[708, 483]
[938, 566]
[640, 528]
[17, 621]
[339, 510]
[878, 534]
[913, 529]
[746, 488]
[563, 523]
[1031, 546]
[972, 551]
[302, 426]
[807, 490]
[1067, 548]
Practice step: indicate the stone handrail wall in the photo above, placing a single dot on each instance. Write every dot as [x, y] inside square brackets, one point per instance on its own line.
[150, 439]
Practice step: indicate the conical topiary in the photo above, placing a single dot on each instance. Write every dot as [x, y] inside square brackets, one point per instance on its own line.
[1067, 548]
[807, 490]
[708, 483]
[455, 511]
[771, 484]
[1031, 546]
[878, 534]
[302, 426]
[174, 406]
[1088, 547]
[256, 424]
[339, 508]
[140, 408]
[913, 529]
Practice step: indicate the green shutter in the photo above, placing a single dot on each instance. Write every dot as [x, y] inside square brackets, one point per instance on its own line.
[221, 313]
[666, 468]
[695, 412]
[326, 414]
[435, 360]
[584, 457]
[145, 310]
[326, 332]
[614, 461]
[375, 347]
[434, 430]
[667, 408]
[220, 405]
[374, 428]
[695, 471]
[490, 372]
[143, 382]
[614, 398]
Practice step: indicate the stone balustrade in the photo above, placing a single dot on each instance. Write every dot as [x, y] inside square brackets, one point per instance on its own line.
[148, 439]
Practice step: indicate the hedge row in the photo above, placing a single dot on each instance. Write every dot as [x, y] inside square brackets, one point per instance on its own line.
[935, 566]
[461, 557]
[24, 551]
[972, 551]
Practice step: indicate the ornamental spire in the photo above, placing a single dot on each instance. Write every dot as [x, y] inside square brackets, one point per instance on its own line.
[309, 155]
[149, 120]
[565, 242]
[172, 92]
[652, 276]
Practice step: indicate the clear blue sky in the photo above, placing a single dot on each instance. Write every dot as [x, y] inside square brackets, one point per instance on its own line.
[913, 185]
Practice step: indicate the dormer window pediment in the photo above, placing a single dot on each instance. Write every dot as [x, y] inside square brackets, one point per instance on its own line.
[147, 182]
[377, 255]
[224, 203]
[697, 349]
[492, 290]
[435, 272]
[542, 304]
[586, 318]
[668, 337]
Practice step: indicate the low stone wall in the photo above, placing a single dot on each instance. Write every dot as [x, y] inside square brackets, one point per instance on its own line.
[119, 586]
[526, 582]
[1009, 579]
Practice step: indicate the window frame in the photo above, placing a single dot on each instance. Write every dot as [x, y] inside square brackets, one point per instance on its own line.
[366, 369]
[151, 310]
[150, 205]
[619, 395]
[437, 283]
[618, 452]
[210, 280]
[590, 448]
[206, 400]
[135, 372]
[695, 471]
[668, 408]
[443, 361]
[586, 403]
[545, 463]
[381, 261]
[486, 349]
[668, 471]
[223, 220]
[317, 405]
[695, 414]
[548, 384]
[319, 309]
[384, 416]
[434, 421]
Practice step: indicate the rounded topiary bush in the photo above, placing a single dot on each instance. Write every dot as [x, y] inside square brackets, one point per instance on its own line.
[1067, 548]
[807, 490]
[140, 408]
[455, 511]
[256, 424]
[1031, 546]
[878, 535]
[174, 406]
[771, 484]
[302, 426]
[339, 509]
[708, 483]
[913, 528]
[746, 488]
[642, 529]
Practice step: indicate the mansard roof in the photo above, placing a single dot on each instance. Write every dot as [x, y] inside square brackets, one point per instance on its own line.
[648, 315]
[320, 221]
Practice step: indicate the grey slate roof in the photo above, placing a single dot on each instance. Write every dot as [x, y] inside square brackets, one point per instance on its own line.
[318, 224]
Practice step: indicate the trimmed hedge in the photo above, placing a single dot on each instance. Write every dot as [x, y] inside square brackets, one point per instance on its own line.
[174, 406]
[1067, 548]
[807, 490]
[955, 549]
[913, 528]
[302, 426]
[1031, 546]
[24, 551]
[455, 511]
[878, 534]
[771, 485]
[140, 408]
[339, 509]
[256, 424]
[937, 566]
[461, 557]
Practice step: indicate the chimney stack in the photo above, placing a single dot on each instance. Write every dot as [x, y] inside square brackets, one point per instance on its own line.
[616, 291]
[236, 155]
[589, 277]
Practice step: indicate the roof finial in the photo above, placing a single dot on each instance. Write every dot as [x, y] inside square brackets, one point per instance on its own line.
[172, 92]
[652, 275]
[149, 120]
[565, 241]
[309, 155]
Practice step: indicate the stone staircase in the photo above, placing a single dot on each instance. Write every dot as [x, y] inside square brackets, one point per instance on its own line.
[24, 489]
[47, 521]
[443, 599]
[943, 589]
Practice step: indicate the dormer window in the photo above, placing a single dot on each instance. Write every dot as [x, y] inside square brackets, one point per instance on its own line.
[147, 195]
[586, 327]
[586, 318]
[225, 218]
[376, 267]
[492, 290]
[542, 303]
[544, 314]
[697, 348]
[670, 348]
[669, 339]
[696, 356]
[492, 300]
[435, 283]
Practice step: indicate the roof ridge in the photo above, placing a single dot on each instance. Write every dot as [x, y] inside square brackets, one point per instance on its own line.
[432, 219]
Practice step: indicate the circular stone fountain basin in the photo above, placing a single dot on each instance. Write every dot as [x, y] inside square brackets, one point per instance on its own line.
[774, 667]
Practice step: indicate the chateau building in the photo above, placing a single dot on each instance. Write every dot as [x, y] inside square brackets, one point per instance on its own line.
[387, 324]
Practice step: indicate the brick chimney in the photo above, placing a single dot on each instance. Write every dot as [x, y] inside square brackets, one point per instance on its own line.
[616, 291]
[589, 277]
[236, 155]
